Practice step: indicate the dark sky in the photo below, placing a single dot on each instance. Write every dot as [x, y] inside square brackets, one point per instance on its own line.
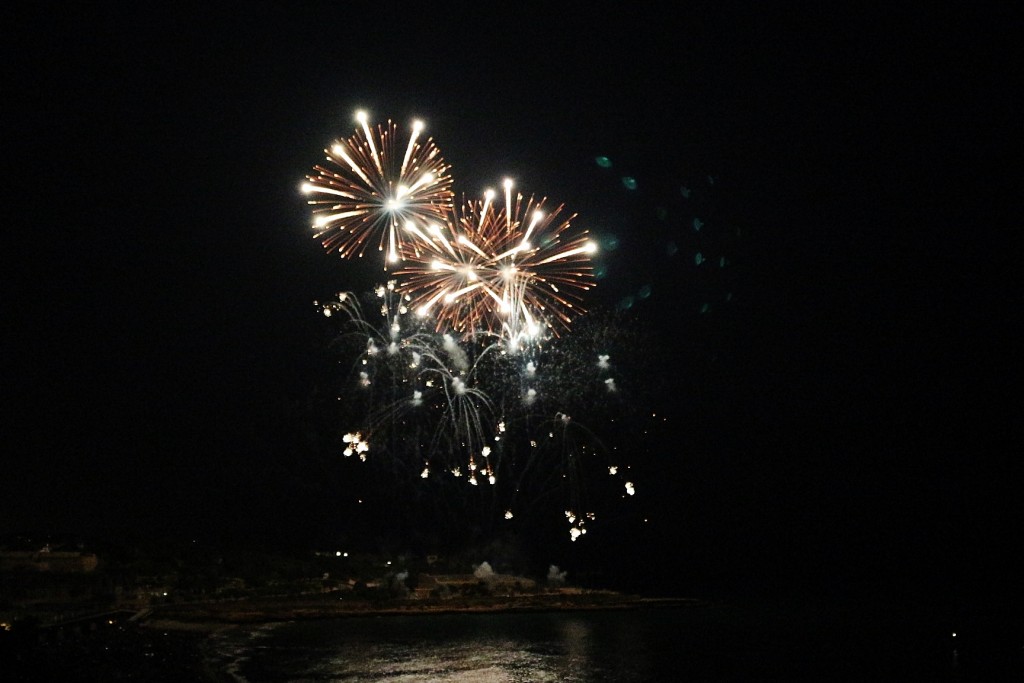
[848, 412]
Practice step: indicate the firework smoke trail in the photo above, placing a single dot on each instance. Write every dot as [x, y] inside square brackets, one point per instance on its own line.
[368, 189]
[516, 270]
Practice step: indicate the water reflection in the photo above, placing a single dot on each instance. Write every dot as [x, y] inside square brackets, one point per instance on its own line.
[707, 644]
[487, 660]
[486, 648]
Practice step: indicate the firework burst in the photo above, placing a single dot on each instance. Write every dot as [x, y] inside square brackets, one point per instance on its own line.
[515, 270]
[368, 188]
[468, 376]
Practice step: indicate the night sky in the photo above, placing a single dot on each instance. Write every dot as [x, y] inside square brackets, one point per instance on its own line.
[839, 393]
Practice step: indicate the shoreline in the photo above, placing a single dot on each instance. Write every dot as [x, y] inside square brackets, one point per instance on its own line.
[211, 617]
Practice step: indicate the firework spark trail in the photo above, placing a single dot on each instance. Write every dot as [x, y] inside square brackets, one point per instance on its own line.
[368, 190]
[420, 372]
[561, 454]
[463, 409]
[466, 410]
[515, 270]
[370, 343]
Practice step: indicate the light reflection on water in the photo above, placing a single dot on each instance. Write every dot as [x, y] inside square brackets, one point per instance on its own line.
[488, 648]
[702, 643]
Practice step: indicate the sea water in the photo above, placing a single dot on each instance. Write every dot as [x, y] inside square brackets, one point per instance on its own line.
[706, 643]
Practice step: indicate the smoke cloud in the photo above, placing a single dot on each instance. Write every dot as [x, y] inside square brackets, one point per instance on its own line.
[555, 577]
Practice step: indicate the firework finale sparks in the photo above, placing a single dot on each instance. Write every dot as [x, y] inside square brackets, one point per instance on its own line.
[472, 373]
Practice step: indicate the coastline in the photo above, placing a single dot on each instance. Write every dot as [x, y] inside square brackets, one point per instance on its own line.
[214, 616]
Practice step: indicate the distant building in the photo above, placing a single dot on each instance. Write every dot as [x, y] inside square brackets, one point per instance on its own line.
[53, 561]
